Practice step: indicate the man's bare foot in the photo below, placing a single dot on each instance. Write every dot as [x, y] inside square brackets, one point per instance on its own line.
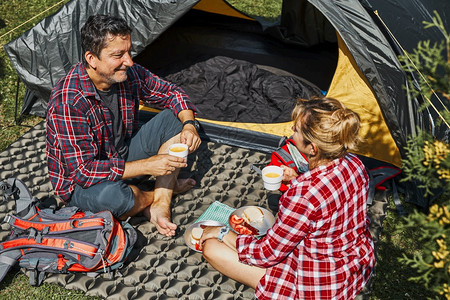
[183, 185]
[159, 214]
[160, 217]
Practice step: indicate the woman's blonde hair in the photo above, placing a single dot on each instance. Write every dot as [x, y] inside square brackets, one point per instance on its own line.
[327, 123]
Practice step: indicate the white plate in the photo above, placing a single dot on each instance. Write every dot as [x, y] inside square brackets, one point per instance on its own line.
[262, 228]
[187, 233]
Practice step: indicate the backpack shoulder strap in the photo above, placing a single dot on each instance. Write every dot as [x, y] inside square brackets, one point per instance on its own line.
[288, 154]
[298, 158]
[7, 260]
[285, 157]
[25, 202]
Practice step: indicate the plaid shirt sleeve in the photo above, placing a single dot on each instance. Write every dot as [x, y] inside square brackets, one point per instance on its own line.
[159, 93]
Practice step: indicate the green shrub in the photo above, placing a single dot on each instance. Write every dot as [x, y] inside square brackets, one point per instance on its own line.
[428, 163]
[433, 263]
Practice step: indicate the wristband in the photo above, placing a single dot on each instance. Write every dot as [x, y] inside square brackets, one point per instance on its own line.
[192, 122]
[223, 231]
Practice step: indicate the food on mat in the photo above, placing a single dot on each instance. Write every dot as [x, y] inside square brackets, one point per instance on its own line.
[240, 226]
[235, 219]
[196, 234]
[242, 229]
[253, 215]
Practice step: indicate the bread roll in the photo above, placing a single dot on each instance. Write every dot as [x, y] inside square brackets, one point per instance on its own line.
[196, 234]
[253, 215]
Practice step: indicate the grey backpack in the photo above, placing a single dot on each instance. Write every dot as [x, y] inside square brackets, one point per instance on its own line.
[47, 240]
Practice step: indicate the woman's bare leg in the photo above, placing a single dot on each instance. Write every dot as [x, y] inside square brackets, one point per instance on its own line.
[225, 260]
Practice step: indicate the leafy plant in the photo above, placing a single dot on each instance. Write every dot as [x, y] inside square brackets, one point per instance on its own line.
[428, 163]
[433, 263]
[428, 159]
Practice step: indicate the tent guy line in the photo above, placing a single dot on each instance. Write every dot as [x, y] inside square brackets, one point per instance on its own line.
[29, 20]
[418, 71]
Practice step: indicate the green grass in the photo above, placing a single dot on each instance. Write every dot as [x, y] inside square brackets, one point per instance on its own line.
[14, 15]
[16, 286]
[269, 10]
[391, 281]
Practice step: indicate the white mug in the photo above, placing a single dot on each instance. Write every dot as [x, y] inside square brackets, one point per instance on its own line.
[272, 176]
[180, 150]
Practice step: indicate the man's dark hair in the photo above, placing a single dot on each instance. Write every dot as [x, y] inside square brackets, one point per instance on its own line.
[95, 31]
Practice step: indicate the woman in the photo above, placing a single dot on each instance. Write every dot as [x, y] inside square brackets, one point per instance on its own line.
[320, 246]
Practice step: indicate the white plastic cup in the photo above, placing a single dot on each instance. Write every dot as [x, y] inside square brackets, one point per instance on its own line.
[180, 150]
[272, 176]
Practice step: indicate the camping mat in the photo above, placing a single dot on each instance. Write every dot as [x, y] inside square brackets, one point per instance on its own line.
[163, 268]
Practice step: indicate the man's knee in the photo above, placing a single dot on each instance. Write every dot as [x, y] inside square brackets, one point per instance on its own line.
[152, 135]
[118, 200]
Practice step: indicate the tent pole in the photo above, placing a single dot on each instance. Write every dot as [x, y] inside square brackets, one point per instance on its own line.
[16, 120]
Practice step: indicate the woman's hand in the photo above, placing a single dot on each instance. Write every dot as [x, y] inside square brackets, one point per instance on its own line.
[288, 174]
[209, 232]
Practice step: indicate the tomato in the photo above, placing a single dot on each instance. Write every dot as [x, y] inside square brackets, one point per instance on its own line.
[236, 219]
[242, 229]
[238, 228]
[197, 247]
[246, 231]
[252, 229]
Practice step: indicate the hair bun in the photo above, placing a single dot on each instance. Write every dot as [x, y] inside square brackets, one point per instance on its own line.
[327, 123]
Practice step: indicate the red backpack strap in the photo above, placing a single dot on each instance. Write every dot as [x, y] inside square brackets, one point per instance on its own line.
[381, 174]
[282, 156]
[56, 244]
[288, 155]
[56, 226]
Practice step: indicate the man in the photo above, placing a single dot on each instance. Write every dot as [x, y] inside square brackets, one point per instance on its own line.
[93, 142]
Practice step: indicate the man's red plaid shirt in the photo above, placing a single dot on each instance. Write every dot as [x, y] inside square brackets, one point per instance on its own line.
[320, 246]
[80, 143]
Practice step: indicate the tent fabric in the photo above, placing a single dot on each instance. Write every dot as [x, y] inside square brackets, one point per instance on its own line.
[412, 15]
[226, 89]
[220, 7]
[379, 142]
[374, 57]
[45, 53]
[198, 36]
[404, 19]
